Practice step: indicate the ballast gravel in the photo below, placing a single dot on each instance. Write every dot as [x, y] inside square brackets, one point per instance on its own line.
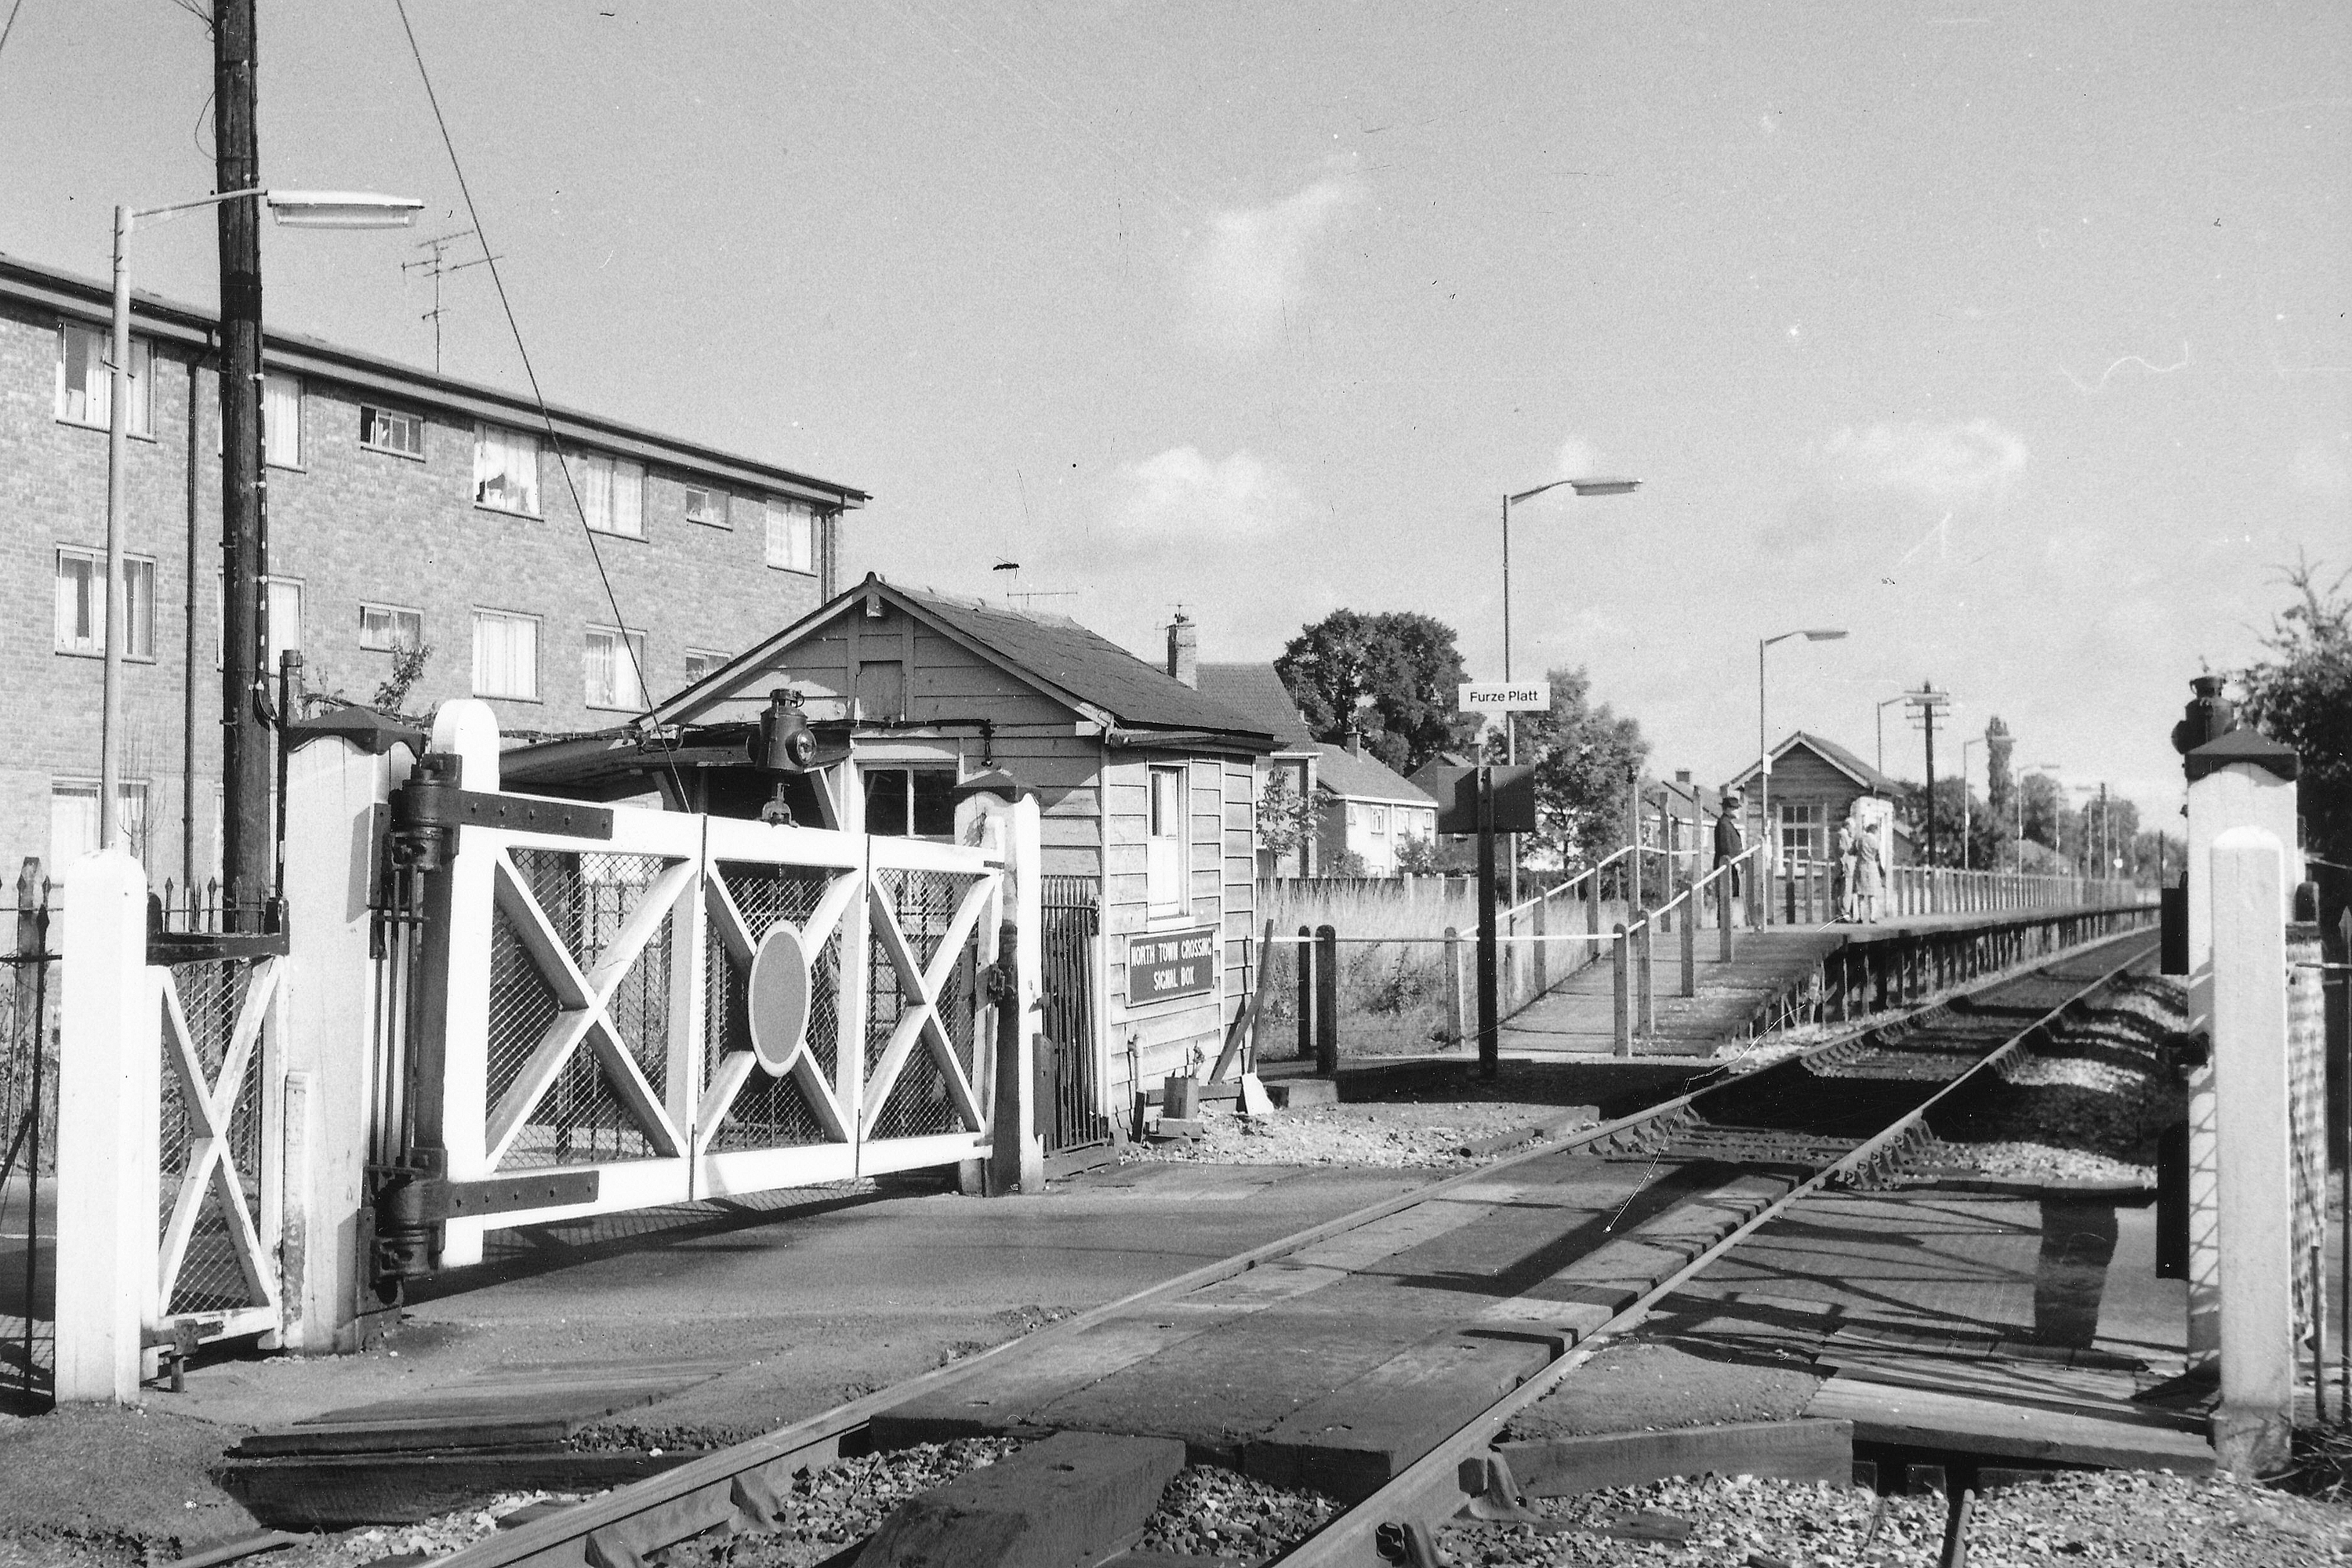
[2157, 1519]
[1214, 1514]
[1384, 1136]
[825, 1510]
[1730, 1520]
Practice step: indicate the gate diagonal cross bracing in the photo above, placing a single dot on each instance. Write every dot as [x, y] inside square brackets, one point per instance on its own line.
[217, 1224]
[609, 1028]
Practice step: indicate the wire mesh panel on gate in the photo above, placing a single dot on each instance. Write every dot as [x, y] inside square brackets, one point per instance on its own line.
[586, 899]
[213, 1276]
[770, 1110]
[923, 904]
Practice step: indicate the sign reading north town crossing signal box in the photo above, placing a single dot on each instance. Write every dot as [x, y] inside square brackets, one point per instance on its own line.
[1165, 966]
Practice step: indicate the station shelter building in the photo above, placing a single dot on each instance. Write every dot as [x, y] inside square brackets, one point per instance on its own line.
[1815, 785]
[406, 509]
[1146, 789]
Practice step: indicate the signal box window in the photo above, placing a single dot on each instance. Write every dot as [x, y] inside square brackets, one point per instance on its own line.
[1164, 841]
[909, 802]
[1805, 827]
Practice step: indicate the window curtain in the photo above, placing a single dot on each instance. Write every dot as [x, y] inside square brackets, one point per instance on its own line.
[506, 470]
[506, 656]
[281, 419]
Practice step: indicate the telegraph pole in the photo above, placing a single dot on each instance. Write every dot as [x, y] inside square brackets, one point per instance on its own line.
[246, 849]
[1925, 704]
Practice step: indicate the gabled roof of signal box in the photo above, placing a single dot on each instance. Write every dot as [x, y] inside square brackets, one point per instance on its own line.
[1136, 702]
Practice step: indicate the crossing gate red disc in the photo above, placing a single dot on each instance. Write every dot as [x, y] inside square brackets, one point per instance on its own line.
[777, 997]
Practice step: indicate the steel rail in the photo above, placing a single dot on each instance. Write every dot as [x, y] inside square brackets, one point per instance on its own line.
[1427, 1492]
[741, 1483]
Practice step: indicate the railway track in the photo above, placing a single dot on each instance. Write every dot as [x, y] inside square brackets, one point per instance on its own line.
[1686, 1180]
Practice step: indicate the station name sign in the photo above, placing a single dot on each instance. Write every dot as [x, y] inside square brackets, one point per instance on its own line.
[1506, 695]
[1168, 965]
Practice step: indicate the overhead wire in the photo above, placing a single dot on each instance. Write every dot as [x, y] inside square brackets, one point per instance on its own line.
[10, 25]
[530, 373]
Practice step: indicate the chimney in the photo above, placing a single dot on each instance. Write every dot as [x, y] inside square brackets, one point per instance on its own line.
[1682, 775]
[1355, 742]
[1184, 651]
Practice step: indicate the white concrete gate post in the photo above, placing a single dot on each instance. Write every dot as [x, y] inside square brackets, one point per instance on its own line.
[1005, 818]
[2253, 1429]
[110, 1086]
[335, 791]
[2239, 780]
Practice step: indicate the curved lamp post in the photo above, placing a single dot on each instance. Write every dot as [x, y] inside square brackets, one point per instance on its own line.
[1771, 839]
[1583, 487]
[293, 209]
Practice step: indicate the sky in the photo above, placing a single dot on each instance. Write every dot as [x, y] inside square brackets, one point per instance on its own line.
[2009, 339]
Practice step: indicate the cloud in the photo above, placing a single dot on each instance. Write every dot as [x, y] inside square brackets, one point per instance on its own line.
[1892, 498]
[2320, 470]
[1251, 270]
[1183, 497]
[1969, 465]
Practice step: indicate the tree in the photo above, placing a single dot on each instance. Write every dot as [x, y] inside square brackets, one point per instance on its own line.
[1286, 819]
[2000, 802]
[1391, 675]
[2044, 808]
[2301, 696]
[1584, 757]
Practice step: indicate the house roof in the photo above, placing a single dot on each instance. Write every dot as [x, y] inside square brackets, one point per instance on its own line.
[1829, 752]
[1365, 777]
[1138, 701]
[73, 294]
[1256, 693]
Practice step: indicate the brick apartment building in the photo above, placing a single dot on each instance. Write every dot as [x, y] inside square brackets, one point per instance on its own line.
[404, 509]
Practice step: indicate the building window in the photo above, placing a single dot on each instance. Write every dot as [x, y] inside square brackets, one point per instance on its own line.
[1163, 845]
[612, 495]
[85, 381]
[704, 504]
[285, 624]
[282, 420]
[909, 802]
[389, 430]
[387, 627]
[506, 655]
[615, 668]
[700, 662]
[73, 820]
[506, 470]
[1803, 830]
[791, 537]
[81, 602]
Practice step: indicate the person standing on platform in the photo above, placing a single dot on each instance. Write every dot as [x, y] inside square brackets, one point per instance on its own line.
[1868, 879]
[1842, 870]
[1727, 844]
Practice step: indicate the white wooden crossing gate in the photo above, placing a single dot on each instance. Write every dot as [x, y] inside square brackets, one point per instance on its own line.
[621, 1006]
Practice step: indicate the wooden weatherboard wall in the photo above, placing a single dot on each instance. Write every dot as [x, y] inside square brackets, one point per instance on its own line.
[1151, 1039]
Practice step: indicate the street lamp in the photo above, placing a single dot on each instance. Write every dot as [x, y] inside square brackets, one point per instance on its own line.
[1764, 746]
[1583, 487]
[293, 209]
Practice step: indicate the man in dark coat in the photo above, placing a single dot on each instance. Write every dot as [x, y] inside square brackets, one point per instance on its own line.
[1728, 840]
